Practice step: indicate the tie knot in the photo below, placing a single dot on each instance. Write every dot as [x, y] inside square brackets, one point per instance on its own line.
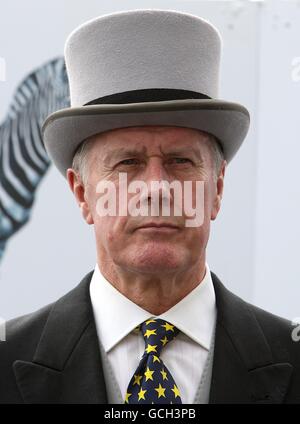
[157, 333]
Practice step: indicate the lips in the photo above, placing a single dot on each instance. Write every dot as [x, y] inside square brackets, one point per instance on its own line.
[158, 226]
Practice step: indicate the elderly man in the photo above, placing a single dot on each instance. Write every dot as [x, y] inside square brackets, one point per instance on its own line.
[151, 323]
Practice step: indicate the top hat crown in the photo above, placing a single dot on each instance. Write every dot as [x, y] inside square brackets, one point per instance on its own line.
[143, 67]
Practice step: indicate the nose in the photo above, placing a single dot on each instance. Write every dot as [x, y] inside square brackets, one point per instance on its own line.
[155, 171]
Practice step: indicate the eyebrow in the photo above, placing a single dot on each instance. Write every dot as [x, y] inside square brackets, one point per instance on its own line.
[187, 150]
[122, 152]
[126, 152]
[184, 150]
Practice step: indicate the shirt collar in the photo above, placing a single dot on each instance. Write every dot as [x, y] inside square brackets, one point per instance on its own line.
[116, 315]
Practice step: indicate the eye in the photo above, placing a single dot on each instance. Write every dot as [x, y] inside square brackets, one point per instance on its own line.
[131, 161]
[179, 161]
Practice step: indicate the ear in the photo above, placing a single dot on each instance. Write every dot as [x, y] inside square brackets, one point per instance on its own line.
[219, 192]
[79, 191]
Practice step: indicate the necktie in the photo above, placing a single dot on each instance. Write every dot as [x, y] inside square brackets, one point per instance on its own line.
[152, 382]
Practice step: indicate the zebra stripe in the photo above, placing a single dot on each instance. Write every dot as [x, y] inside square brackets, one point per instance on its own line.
[23, 159]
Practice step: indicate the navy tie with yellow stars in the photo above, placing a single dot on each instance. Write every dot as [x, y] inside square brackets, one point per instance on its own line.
[152, 382]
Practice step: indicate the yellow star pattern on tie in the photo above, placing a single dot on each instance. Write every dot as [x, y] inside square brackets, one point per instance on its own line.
[152, 382]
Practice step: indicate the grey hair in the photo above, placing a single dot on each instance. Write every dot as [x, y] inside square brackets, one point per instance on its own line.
[79, 163]
[217, 154]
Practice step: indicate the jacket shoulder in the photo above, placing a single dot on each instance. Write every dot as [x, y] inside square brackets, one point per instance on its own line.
[23, 334]
[24, 330]
[284, 340]
[21, 339]
[277, 331]
[281, 334]
[269, 319]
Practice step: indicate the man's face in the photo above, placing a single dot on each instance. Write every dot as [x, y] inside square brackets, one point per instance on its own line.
[148, 154]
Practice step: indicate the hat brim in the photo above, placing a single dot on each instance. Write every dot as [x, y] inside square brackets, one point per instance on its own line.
[65, 129]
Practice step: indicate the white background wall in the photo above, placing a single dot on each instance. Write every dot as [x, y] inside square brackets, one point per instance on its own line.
[254, 244]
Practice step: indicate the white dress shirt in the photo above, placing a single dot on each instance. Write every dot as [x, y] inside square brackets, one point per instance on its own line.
[116, 317]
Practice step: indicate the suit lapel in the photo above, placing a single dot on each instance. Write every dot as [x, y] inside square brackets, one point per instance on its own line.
[244, 370]
[66, 367]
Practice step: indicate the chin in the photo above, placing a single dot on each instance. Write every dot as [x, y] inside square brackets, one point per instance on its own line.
[154, 259]
[154, 268]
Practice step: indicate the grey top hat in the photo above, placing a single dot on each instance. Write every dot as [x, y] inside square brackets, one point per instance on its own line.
[143, 67]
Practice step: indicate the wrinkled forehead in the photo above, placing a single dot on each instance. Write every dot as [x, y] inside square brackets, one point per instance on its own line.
[147, 139]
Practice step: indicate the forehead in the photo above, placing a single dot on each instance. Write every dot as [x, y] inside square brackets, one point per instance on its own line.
[145, 138]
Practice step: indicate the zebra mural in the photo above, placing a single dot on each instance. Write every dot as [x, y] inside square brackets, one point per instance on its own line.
[23, 159]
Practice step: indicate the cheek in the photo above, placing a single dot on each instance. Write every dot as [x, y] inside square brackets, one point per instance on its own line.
[209, 193]
[91, 199]
[199, 239]
[197, 199]
[110, 229]
[196, 235]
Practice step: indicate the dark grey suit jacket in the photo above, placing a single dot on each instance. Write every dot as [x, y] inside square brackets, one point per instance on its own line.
[52, 355]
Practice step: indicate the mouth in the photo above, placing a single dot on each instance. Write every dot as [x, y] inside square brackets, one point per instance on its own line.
[158, 227]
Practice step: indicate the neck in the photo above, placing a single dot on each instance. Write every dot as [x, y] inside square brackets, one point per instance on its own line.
[154, 293]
